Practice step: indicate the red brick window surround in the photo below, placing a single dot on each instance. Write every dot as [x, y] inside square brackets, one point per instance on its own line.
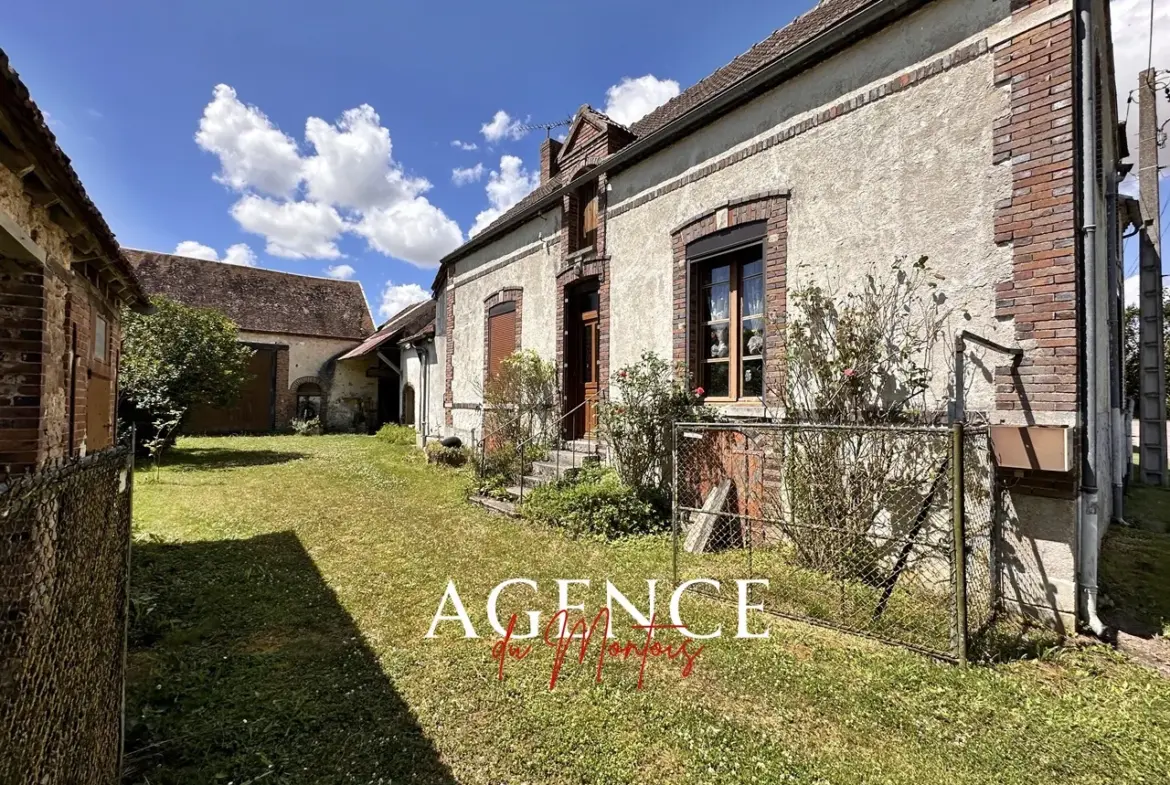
[729, 259]
[510, 295]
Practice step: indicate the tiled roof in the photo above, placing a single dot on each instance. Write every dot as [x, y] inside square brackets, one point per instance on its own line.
[801, 30]
[258, 300]
[16, 99]
[410, 321]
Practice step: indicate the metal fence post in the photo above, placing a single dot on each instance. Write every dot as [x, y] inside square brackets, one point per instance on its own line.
[675, 513]
[960, 542]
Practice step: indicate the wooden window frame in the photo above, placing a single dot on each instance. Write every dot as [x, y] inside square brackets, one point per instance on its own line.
[587, 195]
[735, 359]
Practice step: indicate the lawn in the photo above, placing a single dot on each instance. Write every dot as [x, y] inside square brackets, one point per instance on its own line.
[282, 589]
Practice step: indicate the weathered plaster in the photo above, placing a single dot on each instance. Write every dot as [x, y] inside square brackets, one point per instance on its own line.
[873, 185]
[533, 271]
[345, 382]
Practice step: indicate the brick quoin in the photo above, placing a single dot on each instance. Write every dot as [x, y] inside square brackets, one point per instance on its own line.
[1038, 220]
[448, 395]
[773, 208]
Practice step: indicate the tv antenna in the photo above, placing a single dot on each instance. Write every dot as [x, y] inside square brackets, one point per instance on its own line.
[546, 127]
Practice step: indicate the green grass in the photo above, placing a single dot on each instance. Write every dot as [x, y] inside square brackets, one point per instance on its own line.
[283, 587]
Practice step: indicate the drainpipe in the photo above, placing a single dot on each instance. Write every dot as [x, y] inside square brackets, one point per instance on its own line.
[1088, 531]
[421, 350]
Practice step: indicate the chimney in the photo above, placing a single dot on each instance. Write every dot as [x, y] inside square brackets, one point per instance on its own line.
[549, 149]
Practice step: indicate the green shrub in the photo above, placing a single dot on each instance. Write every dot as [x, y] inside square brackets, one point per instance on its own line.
[402, 435]
[310, 427]
[448, 456]
[593, 502]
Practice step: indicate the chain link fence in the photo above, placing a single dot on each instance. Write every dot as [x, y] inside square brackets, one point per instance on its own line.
[64, 550]
[853, 527]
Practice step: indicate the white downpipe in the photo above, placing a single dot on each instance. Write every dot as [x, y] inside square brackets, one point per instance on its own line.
[1089, 538]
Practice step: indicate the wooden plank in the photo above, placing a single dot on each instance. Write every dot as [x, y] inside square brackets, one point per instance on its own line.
[702, 526]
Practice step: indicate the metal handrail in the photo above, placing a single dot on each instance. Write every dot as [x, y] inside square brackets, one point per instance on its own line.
[558, 430]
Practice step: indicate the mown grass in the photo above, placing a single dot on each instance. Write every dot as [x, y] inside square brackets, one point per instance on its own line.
[283, 587]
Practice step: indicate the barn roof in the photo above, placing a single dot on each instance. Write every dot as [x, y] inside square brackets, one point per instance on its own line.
[258, 300]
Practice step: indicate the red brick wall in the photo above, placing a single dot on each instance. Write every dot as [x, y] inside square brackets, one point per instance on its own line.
[1038, 221]
[773, 208]
[448, 395]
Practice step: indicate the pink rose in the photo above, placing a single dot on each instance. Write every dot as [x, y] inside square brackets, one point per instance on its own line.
[850, 372]
[700, 391]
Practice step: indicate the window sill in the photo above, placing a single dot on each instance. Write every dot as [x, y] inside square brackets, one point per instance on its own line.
[741, 410]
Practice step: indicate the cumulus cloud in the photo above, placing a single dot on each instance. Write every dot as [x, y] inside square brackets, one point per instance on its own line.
[502, 126]
[470, 174]
[352, 166]
[293, 230]
[347, 182]
[342, 272]
[240, 253]
[632, 99]
[414, 231]
[506, 186]
[395, 297]
[1131, 53]
[464, 145]
[253, 153]
[194, 250]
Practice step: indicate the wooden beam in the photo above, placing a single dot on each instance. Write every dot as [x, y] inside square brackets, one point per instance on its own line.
[63, 218]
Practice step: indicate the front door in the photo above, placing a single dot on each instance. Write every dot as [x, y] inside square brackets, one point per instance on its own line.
[584, 381]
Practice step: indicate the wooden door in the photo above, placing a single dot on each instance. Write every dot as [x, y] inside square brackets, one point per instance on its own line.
[583, 382]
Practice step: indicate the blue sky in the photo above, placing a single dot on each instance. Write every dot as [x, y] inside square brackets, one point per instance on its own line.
[325, 130]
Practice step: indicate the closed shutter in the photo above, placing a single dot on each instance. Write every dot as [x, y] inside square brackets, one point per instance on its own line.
[501, 335]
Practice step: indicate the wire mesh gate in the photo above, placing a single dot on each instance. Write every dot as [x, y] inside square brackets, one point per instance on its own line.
[883, 531]
[64, 550]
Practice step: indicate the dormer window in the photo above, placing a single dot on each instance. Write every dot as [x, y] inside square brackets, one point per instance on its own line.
[586, 217]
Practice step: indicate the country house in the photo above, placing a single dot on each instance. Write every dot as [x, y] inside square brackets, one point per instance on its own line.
[979, 133]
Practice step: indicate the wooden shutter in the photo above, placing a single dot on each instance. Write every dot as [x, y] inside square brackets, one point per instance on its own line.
[588, 197]
[501, 336]
[99, 425]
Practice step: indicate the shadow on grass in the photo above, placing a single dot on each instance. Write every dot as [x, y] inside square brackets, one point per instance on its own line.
[210, 458]
[1135, 575]
[244, 667]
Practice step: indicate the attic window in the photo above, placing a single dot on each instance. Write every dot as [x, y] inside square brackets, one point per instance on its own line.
[586, 217]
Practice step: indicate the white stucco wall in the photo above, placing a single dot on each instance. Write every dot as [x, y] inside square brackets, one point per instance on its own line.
[531, 266]
[905, 176]
[429, 412]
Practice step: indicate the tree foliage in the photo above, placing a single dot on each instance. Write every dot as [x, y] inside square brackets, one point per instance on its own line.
[179, 356]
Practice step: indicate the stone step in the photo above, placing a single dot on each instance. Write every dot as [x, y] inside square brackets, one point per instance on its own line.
[559, 461]
[495, 505]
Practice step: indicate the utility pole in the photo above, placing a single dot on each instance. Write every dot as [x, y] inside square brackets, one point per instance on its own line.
[1152, 353]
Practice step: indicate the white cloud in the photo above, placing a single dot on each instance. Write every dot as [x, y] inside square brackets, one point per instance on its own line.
[294, 230]
[342, 272]
[397, 297]
[505, 188]
[252, 152]
[194, 250]
[464, 145]
[1133, 290]
[414, 231]
[350, 183]
[470, 174]
[353, 166]
[1131, 55]
[502, 126]
[240, 253]
[632, 99]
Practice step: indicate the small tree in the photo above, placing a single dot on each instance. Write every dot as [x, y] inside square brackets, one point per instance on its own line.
[637, 425]
[174, 358]
[519, 412]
